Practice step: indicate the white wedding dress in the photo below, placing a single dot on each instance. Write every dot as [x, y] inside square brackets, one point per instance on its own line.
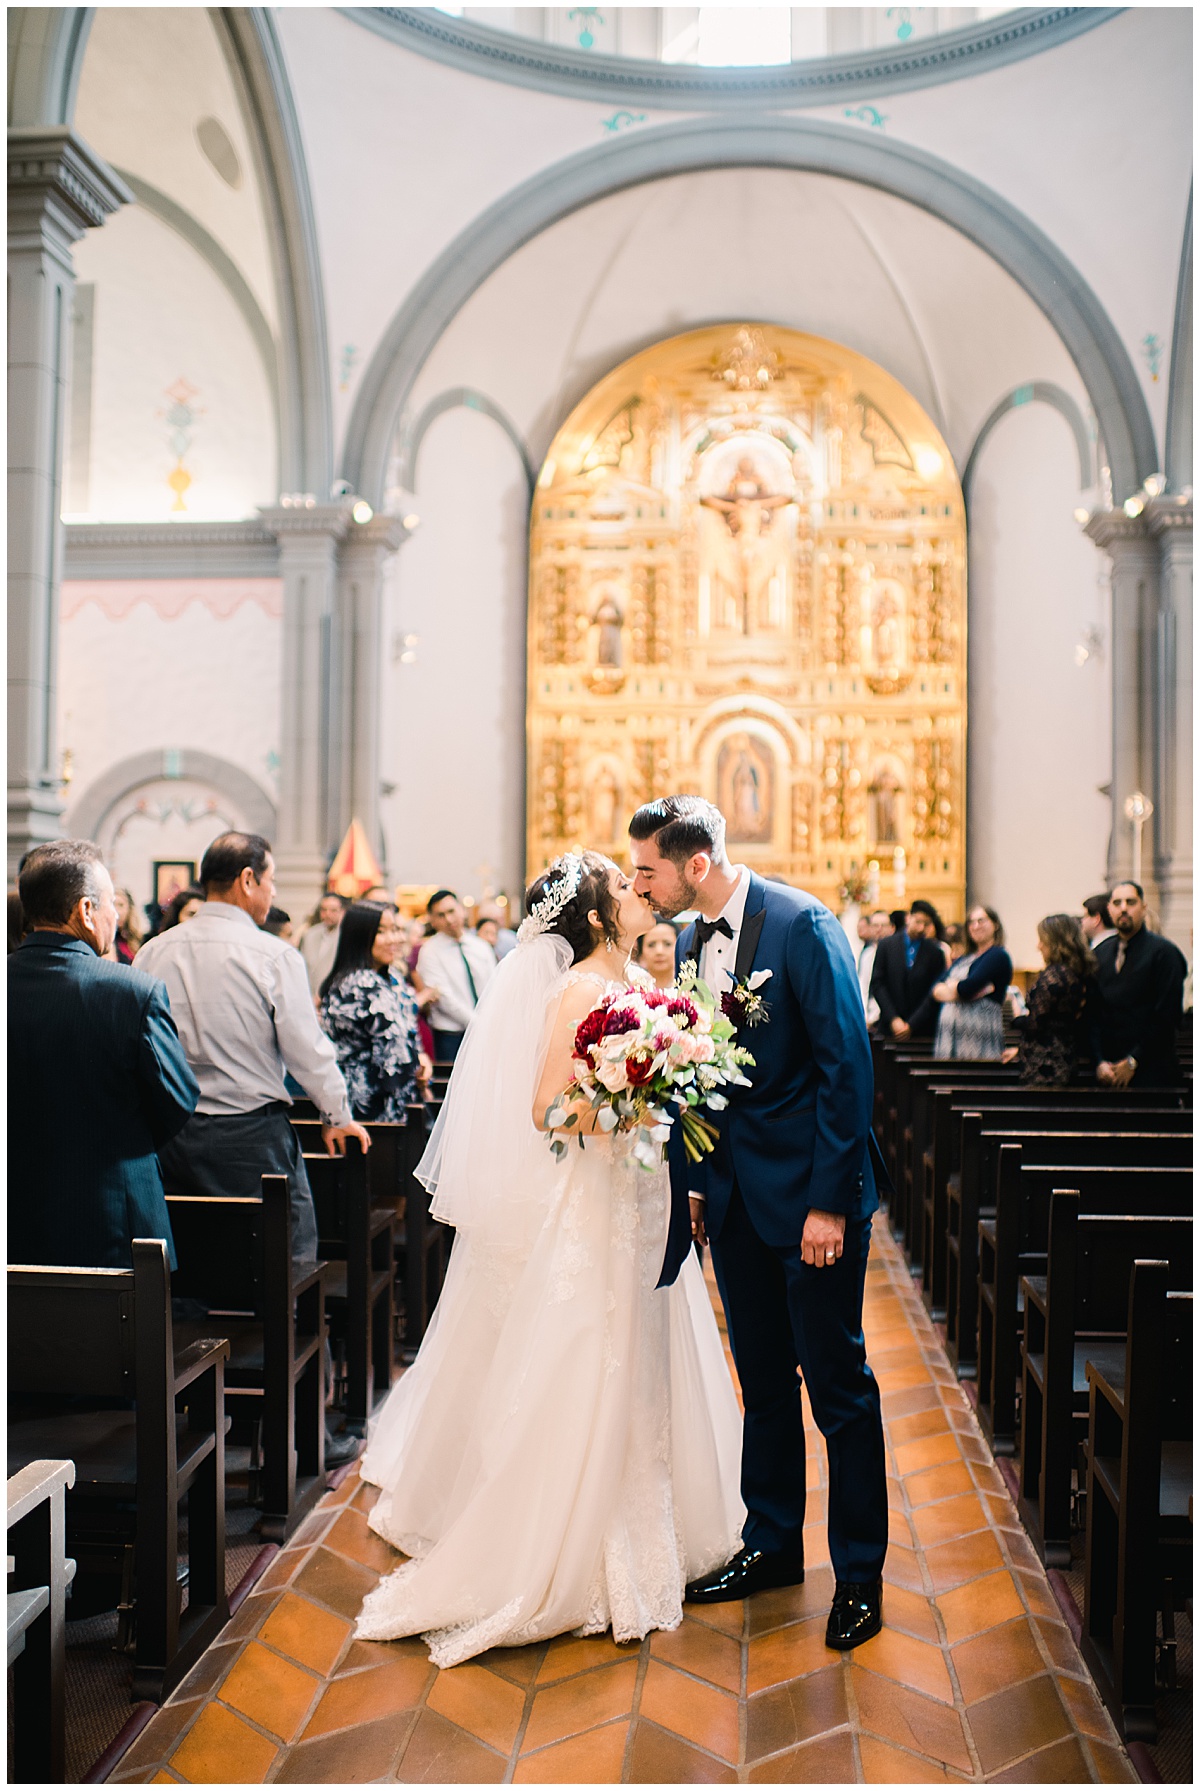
[564, 1453]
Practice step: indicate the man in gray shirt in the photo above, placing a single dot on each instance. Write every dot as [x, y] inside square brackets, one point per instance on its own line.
[245, 1016]
[241, 1002]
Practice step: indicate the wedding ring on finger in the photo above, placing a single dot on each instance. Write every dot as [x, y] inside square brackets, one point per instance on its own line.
[831, 1256]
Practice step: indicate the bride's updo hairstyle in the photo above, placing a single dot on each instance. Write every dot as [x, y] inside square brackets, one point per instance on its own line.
[572, 923]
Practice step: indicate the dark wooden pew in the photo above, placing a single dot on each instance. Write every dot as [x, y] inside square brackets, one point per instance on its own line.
[235, 1257]
[911, 1132]
[942, 1161]
[421, 1245]
[37, 1625]
[103, 1338]
[1013, 1244]
[1075, 1312]
[1051, 1136]
[1138, 1559]
[355, 1239]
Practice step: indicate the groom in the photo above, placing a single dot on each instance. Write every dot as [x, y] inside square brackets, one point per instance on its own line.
[785, 1200]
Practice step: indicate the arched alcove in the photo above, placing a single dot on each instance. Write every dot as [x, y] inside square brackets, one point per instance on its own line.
[747, 577]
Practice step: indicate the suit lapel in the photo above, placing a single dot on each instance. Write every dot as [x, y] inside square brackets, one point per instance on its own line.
[752, 925]
[685, 948]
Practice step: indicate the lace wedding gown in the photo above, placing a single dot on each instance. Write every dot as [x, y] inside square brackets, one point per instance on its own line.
[564, 1453]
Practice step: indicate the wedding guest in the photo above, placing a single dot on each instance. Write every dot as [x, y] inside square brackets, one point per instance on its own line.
[1054, 1030]
[183, 906]
[458, 965]
[655, 953]
[279, 924]
[1139, 977]
[956, 941]
[499, 936]
[129, 935]
[370, 1013]
[319, 940]
[897, 920]
[98, 1079]
[969, 1003]
[1097, 922]
[245, 1016]
[16, 921]
[906, 967]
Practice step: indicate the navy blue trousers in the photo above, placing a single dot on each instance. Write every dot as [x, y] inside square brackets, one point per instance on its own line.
[782, 1314]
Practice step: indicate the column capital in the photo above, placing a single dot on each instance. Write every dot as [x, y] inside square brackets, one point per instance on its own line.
[383, 534]
[1115, 529]
[306, 522]
[51, 170]
[1169, 515]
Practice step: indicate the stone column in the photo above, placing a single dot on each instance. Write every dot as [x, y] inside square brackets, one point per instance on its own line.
[1134, 556]
[358, 658]
[57, 189]
[1169, 520]
[308, 536]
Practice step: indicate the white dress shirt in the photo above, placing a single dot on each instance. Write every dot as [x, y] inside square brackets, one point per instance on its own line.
[719, 956]
[440, 965]
[241, 1001]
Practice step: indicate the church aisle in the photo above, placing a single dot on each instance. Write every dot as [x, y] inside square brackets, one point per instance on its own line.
[975, 1677]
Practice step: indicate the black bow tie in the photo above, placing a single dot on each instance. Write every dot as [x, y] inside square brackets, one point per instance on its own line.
[706, 928]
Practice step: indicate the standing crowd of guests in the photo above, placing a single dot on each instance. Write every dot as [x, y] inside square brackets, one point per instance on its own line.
[180, 1056]
[1108, 1001]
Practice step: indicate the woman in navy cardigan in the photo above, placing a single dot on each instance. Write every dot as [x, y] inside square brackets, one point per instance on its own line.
[971, 998]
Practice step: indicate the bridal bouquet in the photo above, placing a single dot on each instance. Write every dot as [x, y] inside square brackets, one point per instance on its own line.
[645, 1057]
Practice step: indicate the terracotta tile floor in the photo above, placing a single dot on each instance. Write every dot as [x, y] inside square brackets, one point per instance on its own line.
[974, 1677]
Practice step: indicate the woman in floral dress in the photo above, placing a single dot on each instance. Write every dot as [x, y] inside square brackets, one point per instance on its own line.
[371, 1016]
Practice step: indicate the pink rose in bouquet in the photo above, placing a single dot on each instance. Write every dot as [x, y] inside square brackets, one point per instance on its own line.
[646, 1059]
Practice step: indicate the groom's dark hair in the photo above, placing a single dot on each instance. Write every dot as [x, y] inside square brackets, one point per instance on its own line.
[681, 826]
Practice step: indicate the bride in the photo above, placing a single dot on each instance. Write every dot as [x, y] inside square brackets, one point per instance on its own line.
[564, 1452]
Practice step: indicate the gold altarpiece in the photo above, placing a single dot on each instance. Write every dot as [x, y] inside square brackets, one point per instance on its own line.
[747, 578]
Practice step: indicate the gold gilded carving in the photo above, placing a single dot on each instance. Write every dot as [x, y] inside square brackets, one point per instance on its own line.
[747, 578]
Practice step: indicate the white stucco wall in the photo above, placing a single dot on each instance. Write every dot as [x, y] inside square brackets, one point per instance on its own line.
[454, 730]
[168, 664]
[161, 316]
[1039, 733]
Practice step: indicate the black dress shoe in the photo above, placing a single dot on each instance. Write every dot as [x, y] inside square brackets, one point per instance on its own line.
[341, 1449]
[857, 1613]
[750, 1571]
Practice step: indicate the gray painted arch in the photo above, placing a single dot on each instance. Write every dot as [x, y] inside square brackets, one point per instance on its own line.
[683, 87]
[182, 222]
[1177, 459]
[807, 145]
[46, 55]
[93, 806]
[459, 398]
[1038, 391]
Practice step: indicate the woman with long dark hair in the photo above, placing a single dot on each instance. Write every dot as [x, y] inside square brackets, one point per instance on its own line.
[1054, 1031]
[371, 1015]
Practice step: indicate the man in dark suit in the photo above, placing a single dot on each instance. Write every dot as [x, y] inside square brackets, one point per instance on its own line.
[906, 967]
[786, 1201]
[97, 1075]
[1140, 983]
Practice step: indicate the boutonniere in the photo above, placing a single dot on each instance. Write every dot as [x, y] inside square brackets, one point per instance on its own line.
[741, 1003]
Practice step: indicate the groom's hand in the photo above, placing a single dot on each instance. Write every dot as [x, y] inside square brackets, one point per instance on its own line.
[821, 1244]
[698, 1230]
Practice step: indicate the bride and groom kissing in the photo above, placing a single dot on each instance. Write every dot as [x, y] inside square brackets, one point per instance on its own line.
[566, 1453]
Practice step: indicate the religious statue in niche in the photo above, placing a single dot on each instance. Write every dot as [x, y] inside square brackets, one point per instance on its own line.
[603, 802]
[884, 652]
[746, 788]
[746, 552]
[884, 791]
[606, 656]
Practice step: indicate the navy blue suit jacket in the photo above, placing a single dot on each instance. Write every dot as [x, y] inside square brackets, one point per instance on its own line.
[97, 1079]
[800, 1136]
